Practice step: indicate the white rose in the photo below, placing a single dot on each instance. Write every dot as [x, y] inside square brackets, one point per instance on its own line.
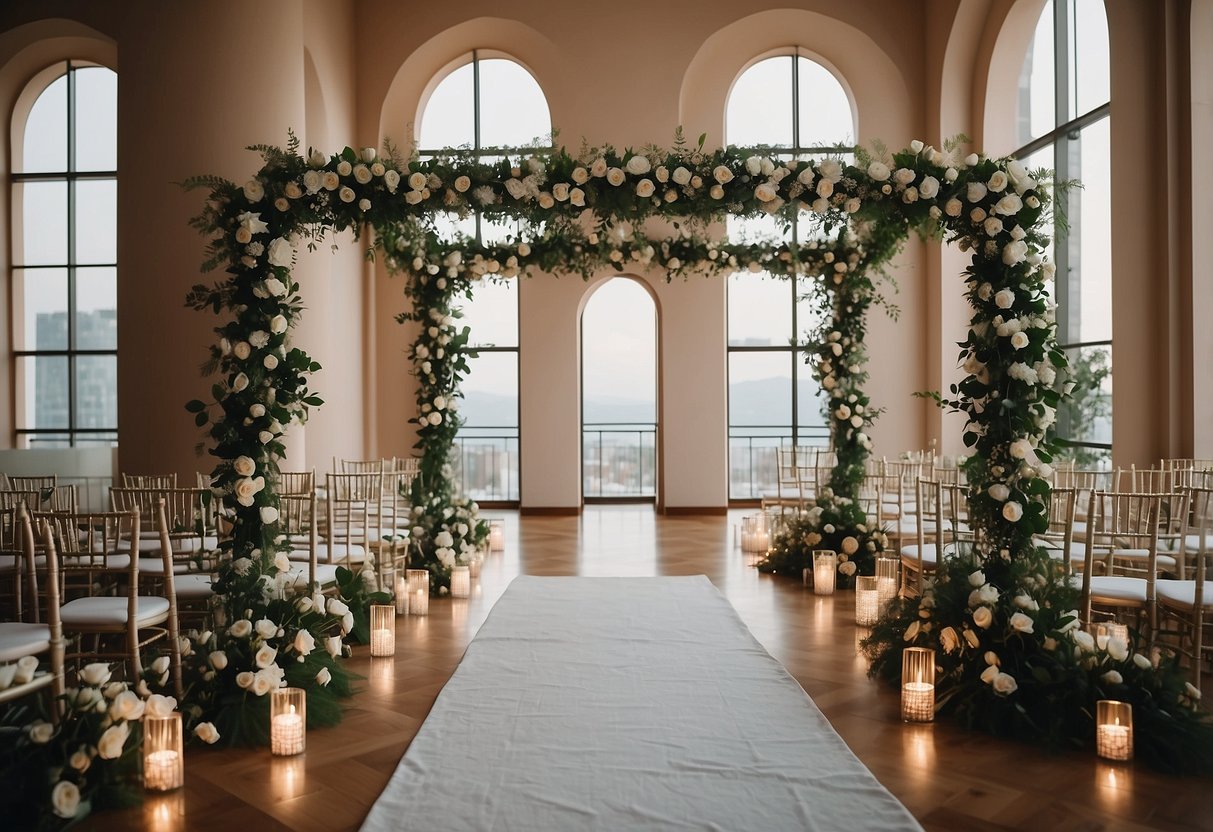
[304, 643]
[323, 677]
[645, 187]
[998, 182]
[1019, 340]
[977, 579]
[270, 362]
[96, 674]
[1141, 661]
[953, 207]
[240, 629]
[990, 674]
[765, 192]
[65, 799]
[217, 659]
[878, 171]
[126, 705]
[929, 187]
[347, 622]
[247, 488]
[239, 382]
[1012, 511]
[244, 466]
[281, 253]
[992, 226]
[332, 645]
[1004, 299]
[1022, 623]
[347, 194]
[109, 747]
[904, 176]
[1014, 252]
[337, 607]
[722, 174]
[206, 732]
[269, 514]
[1113, 677]
[278, 324]
[261, 685]
[1009, 205]
[577, 197]
[975, 192]
[265, 656]
[638, 165]
[983, 617]
[999, 492]
[1117, 649]
[681, 175]
[160, 706]
[40, 732]
[253, 190]
[1005, 684]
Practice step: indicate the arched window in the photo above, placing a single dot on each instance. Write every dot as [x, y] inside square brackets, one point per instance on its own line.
[1064, 124]
[492, 106]
[65, 270]
[799, 108]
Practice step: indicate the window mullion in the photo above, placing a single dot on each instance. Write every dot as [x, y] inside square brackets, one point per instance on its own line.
[72, 392]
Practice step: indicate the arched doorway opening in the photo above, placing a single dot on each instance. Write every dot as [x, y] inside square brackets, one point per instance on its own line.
[619, 412]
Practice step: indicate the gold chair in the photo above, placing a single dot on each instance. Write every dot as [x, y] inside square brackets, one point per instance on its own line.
[19, 639]
[1186, 606]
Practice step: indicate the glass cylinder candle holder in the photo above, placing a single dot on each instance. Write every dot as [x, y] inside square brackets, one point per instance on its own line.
[888, 578]
[825, 565]
[1114, 729]
[496, 535]
[383, 630]
[163, 753]
[918, 684]
[288, 721]
[1110, 630]
[474, 565]
[419, 591]
[867, 600]
[461, 582]
[402, 595]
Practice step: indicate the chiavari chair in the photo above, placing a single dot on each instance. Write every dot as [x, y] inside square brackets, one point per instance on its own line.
[19, 639]
[1186, 606]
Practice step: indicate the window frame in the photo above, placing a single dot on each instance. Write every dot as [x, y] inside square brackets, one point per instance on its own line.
[73, 433]
[795, 346]
[1068, 130]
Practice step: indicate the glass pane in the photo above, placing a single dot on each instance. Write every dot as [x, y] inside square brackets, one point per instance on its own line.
[492, 314]
[1087, 415]
[760, 310]
[449, 117]
[450, 227]
[513, 109]
[760, 105]
[1037, 100]
[619, 355]
[808, 314]
[41, 295]
[96, 119]
[754, 462]
[493, 232]
[758, 229]
[1090, 242]
[43, 382]
[760, 388]
[96, 391]
[45, 144]
[97, 221]
[94, 440]
[97, 309]
[490, 391]
[825, 110]
[1090, 60]
[809, 403]
[44, 223]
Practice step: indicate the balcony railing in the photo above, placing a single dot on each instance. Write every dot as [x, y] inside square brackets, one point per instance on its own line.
[619, 459]
[485, 462]
[754, 456]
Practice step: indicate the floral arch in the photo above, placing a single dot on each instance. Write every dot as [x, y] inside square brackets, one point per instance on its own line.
[591, 209]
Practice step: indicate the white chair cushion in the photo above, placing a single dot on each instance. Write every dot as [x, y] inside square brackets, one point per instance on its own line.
[155, 566]
[326, 573]
[1183, 594]
[930, 553]
[192, 586]
[1118, 588]
[1165, 562]
[18, 639]
[1192, 543]
[114, 562]
[111, 612]
[8, 563]
[338, 551]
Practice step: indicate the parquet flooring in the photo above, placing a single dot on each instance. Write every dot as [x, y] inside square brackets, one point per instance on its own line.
[949, 779]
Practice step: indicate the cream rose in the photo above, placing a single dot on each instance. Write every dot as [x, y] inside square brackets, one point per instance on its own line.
[1012, 511]
[616, 176]
[65, 799]
[265, 656]
[1022, 623]
[722, 174]
[983, 617]
[206, 732]
[323, 677]
[304, 642]
[645, 187]
[109, 747]
[278, 324]
[1005, 684]
[244, 466]
[638, 165]
[247, 488]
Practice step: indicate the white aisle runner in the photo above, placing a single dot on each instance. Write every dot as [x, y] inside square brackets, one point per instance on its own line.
[626, 704]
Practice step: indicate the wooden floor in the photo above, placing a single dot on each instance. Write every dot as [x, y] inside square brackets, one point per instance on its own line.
[949, 779]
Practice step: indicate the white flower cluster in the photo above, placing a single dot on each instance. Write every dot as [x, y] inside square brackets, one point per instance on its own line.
[449, 528]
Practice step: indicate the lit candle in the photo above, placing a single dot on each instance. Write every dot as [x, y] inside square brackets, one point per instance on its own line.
[474, 565]
[160, 771]
[1114, 730]
[867, 600]
[288, 721]
[888, 573]
[461, 582]
[918, 684]
[163, 758]
[287, 733]
[402, 595]
[383, 632]
[496, 536]
[825, 563]
[419, 591]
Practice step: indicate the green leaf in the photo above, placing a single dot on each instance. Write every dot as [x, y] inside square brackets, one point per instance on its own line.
[195, 406]
[201, 419]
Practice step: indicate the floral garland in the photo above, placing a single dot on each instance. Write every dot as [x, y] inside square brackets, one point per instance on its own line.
[835, 522]
[586, 211]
